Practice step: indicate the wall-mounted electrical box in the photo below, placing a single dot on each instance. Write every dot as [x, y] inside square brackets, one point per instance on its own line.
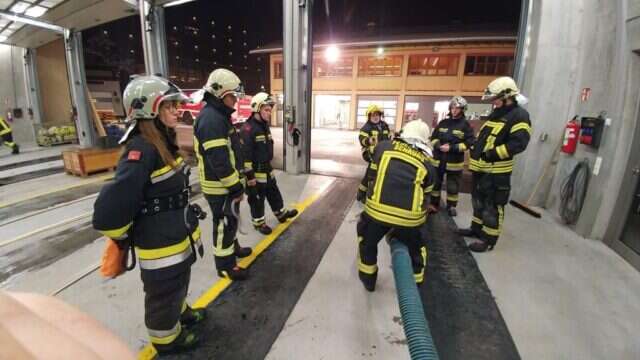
[591, 131]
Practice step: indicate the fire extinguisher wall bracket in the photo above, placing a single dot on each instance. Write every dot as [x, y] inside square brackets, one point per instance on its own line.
[570, 139]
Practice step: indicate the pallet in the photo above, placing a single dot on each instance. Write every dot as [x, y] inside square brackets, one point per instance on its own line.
[83, 162]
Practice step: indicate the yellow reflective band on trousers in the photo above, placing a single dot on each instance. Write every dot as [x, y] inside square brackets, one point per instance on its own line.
[476, 220]
[452, 197]
[214, 143]
[164, 337]
[117, 234]
[154, 259]
[218, 250]
[362, 187]
[362, 267]
[4, 126]
[462, 147]
[373, 166]
[184, 307]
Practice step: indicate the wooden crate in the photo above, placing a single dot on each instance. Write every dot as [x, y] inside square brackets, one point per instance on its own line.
[83, 162]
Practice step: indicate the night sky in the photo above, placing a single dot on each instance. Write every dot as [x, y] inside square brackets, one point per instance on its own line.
[207, 34]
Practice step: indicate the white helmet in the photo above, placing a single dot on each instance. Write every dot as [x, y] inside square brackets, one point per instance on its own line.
[417, 133]
[143, 96]
[501, 88]
[261, 99]
[222, 82]
[459, 102]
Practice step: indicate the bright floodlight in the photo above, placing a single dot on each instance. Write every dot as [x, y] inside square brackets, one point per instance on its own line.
[36, 11]
[332, 53]
[380, 50]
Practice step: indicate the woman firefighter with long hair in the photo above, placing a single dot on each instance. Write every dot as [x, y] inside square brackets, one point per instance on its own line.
[147, 207]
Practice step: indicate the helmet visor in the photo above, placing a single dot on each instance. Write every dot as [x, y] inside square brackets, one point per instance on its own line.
[237, 92]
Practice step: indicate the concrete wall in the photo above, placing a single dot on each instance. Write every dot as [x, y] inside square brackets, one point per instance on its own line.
[578, 44]
[12, 92]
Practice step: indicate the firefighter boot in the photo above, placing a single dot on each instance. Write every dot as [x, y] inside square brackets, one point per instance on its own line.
[361, 196]
[236, 273]
[186, 341]
[191, 316]
[368, 280]
[263, 229]
[284, 215]
[16, 149]
[240, 251]
[468, 232]
[452, 211]
[481, 246]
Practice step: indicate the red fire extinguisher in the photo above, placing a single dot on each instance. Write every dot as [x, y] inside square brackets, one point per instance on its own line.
[570, 140]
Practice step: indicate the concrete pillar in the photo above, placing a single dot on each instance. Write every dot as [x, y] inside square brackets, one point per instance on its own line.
[154, 38]
[32, 86]
[298, 55]
[77, 81]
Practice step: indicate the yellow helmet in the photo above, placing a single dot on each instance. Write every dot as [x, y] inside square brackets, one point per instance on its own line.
[373, 108]
[501, 88]
[261, 99]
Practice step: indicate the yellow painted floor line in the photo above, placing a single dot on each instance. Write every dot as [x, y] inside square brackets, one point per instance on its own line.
[149, 352]
[65, 188]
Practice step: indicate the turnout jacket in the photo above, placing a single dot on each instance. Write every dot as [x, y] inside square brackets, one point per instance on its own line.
[369, 130]
[215, 146]
[400, 177]
[459, 135]
[257, 146]
[145, 205]
[505, 134]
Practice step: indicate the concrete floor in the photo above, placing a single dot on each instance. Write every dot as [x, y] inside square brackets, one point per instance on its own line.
[562, 296]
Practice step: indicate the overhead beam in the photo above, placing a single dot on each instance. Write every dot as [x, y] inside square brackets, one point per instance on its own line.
[132, 3]
[31, 21]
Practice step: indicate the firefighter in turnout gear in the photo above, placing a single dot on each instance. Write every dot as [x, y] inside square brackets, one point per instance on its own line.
[450, 139]
[6, 137]
[505, 134]
[374, 131]
[401, 178]
[257, 145]
[147, 207]
[219, 176]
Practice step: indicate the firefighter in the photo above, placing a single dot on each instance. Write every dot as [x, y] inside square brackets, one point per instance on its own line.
[401, 178]
[257, 144]
[147, 206]
[219, 176]
[505, 134]
[374, 131]
[7, 137]
[450, 139]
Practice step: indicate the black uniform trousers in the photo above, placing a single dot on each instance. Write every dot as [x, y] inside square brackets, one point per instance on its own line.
[490, 193]
[7, 140]
[453, 179]
[256, 196]
[370, 232]
[164, 302]
[225, 227]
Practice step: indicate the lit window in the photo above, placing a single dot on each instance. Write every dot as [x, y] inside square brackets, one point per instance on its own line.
[488, 65]
[342, 67]
[380, 66]
[433, 65]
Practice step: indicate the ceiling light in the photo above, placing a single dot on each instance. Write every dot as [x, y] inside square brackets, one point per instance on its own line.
[177, 2]
[332, 53]
[36, 11]
[380, 50]
[20, 7]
